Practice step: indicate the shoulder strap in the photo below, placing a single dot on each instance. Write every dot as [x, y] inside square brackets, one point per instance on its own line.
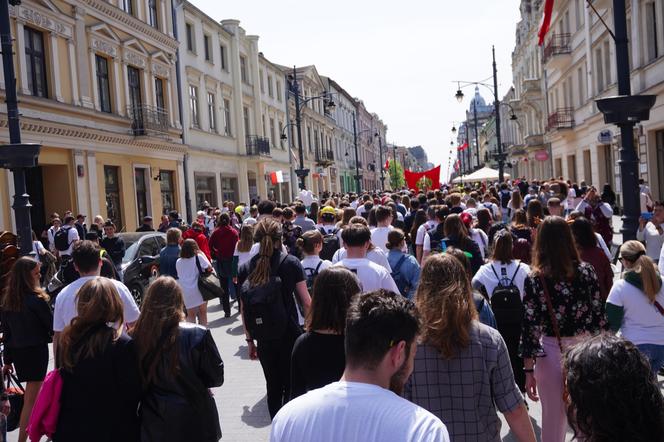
[318, 267]
[399, 264]
[198, 264]
[659, 308]
[552, 316]
[515, 272]
[494, 272]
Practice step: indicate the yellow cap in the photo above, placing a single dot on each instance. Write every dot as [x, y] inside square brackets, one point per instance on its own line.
[327, 210]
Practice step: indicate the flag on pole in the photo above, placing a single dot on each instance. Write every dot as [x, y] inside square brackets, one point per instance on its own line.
[546, 21]
[464, 146]
[387, 164]
[277, 177]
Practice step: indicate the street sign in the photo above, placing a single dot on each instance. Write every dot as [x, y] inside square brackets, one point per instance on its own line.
[605, 137]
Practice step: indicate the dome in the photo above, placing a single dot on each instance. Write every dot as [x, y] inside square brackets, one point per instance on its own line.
[481, 104]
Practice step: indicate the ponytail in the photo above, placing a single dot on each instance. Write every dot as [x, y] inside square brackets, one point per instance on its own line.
[649, 276]
[268, 235]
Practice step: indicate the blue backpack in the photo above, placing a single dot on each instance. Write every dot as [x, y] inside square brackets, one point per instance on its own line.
[399, 279]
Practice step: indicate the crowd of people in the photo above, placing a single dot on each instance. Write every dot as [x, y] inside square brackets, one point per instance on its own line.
[380, 316]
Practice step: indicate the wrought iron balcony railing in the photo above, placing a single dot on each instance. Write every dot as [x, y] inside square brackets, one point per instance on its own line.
[147, 120]
[558, 44]
[562, 118]
[258, 146]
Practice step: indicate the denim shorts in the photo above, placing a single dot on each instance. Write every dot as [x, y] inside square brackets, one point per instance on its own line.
[655, 354]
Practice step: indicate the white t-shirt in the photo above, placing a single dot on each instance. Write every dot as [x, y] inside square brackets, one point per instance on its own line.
[311, 262]
[257, 248]
[242, 257]
[188, 279]
[72, 237]
[371, 275]
[360, 210]
[353, 411]
[642, 323]
[374, 255]
[65, 303]
[481, 239]
[39, 250]
[51, 238]
[430, 225]
[487, 278]
[379, 237]
[602, 245]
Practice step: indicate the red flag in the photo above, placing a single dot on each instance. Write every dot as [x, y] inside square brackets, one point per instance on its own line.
[464, 146]
[423, 180]
[387, 164]
[546, 21]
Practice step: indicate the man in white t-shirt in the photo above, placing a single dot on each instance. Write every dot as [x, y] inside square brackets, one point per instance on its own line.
[50, 233]
[429, 225]
[72, 236]
[365, 404]
[87, 261]
[379, 234]
[357, 238]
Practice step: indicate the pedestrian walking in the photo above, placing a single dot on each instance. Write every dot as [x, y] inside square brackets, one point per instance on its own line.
[222, 246]
[189, 267]
[591, 252]
[196, 232]
[168, 256]
[178, 363]
[405, 269]
[114, 246]
[651, 231]
[26, 324]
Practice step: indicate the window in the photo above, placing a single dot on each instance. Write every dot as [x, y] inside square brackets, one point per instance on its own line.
[193, 106]
[281, 131]
[167, 187]
[264, 128]
[205, 189]
[247, 126]
[579, 12]
[278, 90]
[128, 6]
[651, 31]
[229, 189]
[599, 70]
[141, 193]
[227, 118]
[309, 138]
[207, 48]
[103, 85]
[607, 62]
[211, 115]
[243, 70]
[273, 136]
[136, 99]
[159, 94]
[222, 57]
[582, 94]
[112, 190]
[189, 29]
[270, 87]
[260, 78]
[153, 18]
[35, 59]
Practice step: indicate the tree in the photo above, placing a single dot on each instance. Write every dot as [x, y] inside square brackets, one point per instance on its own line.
[398, 180]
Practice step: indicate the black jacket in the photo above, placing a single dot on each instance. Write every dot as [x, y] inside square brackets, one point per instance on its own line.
[470, 246]
[100, 397]
[30, 327]
[115, 247]
[181, 408]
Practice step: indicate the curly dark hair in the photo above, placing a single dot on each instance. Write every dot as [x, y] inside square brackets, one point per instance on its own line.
[613, 395]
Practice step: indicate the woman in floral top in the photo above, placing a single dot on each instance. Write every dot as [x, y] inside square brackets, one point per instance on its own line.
[575, 298]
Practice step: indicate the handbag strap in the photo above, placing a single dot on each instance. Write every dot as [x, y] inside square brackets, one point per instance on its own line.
[659, 308]
[198, 264]
[552, 316]
[13, 380]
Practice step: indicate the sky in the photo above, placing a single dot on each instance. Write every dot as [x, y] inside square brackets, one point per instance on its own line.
[400, 57]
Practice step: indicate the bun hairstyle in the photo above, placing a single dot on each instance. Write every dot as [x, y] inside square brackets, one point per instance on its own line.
[394, 239]
[309, 240]
[635, 253]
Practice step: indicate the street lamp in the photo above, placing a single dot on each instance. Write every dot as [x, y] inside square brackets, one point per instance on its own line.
[356, 134]
[459, 96]
[299, 102]
[380, 153]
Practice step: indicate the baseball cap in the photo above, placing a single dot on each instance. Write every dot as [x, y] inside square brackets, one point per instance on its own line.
[327, 210]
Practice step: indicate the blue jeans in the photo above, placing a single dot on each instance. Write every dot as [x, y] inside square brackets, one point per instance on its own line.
[655, 354]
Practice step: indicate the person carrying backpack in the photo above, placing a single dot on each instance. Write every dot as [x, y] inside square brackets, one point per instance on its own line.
[503, 279]
[330, 233]
[405, 269]
[64, 240]
[268, 283]
[311, 243]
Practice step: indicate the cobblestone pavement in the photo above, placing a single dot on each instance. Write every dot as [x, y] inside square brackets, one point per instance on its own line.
[241, 400]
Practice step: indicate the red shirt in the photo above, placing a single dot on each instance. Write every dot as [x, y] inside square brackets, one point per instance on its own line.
[596, 257]
[200, 239]
[222, 242]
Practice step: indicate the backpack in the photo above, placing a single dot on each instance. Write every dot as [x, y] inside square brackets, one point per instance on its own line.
[291, 235]
[61, 239]
[399, 279]
[265, 312]
[311, 276]
[506, 300]
[436, 240]
[330, 244]
[505, 197]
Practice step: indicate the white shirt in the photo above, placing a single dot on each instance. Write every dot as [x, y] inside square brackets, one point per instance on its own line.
[652, 238]
[423, 229]
[188, 274]
[379, 237]
[487, 278]
[374, 255]
[661, 261]
[481, 239]
[306, 197]
[51, 238]
[602, 245]
[372, 276]
[311, 262]
[353, 411]
[360, 210]
[72, 237]
[606, 209]
[642, 323]
[257, 248]
[242, 257]
[39, 250]
[65, 303]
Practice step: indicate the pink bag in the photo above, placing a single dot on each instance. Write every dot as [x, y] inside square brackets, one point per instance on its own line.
[45, 412]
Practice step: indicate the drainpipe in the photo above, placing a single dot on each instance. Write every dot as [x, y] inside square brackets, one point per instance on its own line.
[178, 78]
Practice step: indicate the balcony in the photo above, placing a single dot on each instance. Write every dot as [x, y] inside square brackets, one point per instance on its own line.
[258, 146]
[558, 45]
[148, 120]
[562, 118]
[532, 88]
[324, 157]
[536, 140]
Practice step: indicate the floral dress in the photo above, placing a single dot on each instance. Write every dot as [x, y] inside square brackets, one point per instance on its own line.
[577, 304]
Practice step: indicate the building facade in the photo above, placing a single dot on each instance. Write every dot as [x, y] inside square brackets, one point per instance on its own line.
[96, 83]
[344, 148]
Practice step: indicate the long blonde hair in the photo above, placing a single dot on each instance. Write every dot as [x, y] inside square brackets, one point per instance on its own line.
[445, 302]
[635, 253]
[246, 238]
[268, 233]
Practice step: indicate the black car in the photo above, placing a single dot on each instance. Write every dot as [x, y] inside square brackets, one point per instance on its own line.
[140, 265]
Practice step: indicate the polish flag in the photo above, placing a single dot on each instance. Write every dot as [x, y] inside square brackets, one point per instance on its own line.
[464, 146]
[277, 177]
[546, 21]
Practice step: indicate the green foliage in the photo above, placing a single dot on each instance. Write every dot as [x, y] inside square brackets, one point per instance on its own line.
[398, 180]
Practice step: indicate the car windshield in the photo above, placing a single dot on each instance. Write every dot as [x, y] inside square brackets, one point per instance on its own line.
[130, 251]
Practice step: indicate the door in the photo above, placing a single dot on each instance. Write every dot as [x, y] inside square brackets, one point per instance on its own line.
[135, 100]
[34, 182]
[141, 194]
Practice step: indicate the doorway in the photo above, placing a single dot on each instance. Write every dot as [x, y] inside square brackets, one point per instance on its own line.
[34, 181]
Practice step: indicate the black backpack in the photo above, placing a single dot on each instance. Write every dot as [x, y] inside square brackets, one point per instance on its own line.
[505, 197]
[399, 278]
[506, 300]
[61, 239]
[311, 274]
[330, 244]
[264, 308]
